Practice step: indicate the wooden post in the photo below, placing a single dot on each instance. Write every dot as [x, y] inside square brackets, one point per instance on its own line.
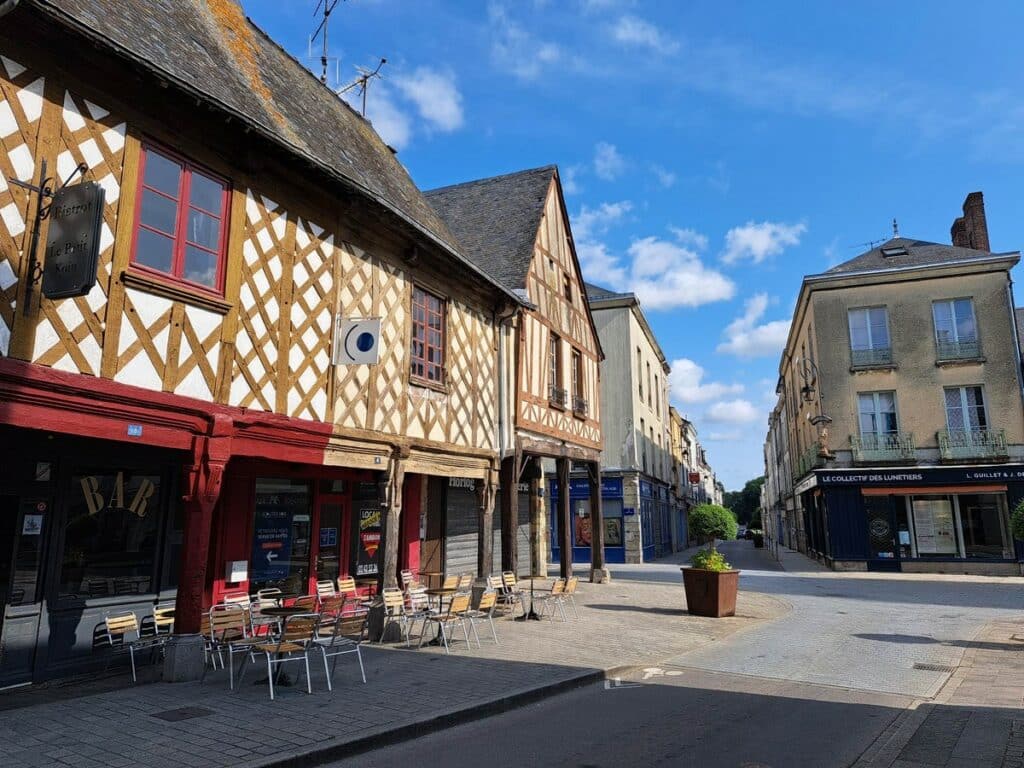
[538, 553]
[598, 572]
[485, 532]
[565, 537]
[395, 481]
[509, 514]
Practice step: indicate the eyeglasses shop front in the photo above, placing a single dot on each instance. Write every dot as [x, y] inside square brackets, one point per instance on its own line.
[954, 518]
[80, 538]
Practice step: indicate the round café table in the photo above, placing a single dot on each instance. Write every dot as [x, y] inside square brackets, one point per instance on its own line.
[430, 575]
[440, 594]
[531, 615]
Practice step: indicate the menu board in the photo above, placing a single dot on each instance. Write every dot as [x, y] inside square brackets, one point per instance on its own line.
[934, 527]
[368, 539]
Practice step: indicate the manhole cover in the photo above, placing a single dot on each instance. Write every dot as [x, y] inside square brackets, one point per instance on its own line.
[934, 667]
[183, 713]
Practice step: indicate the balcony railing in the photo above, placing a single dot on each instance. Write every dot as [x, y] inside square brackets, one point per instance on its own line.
[897, 446]
[959, 350]
[579, 406]
[866, 358]
[558, 397]
[972, 444]
[808, 460]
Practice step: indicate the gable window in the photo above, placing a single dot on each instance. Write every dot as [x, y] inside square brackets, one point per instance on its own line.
[657, 396]
[643, 442]
[956, 332]
[567, 286]
[579, 400]
[869, 336]
[426, 350]
[557, 394]
[181, 220]
[649, 386]
[640, 372]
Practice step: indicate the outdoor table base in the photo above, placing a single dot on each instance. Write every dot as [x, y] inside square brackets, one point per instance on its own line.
[530, 615]
[441, 594]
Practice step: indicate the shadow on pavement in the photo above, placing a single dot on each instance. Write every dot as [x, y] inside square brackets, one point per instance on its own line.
[924, 639]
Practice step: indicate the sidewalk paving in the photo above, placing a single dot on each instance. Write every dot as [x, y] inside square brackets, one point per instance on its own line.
[976, 720]
[409, 692]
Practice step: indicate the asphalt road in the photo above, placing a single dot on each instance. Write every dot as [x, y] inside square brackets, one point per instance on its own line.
[814, 688]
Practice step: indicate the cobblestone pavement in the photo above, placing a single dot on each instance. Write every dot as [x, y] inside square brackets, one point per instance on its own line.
[623, 623]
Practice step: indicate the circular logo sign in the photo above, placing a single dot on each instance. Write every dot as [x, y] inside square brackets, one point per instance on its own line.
[880, 528]
[41, 506]
[364, 342]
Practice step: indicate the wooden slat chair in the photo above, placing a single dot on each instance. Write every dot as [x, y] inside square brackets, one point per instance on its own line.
[309, 603]
[325, 588]
[418, 609]
[236, 597]
[510, 593]
[450, 619]
[552, 600]
[332, 606]
[163, 619]
[569, 595]
[394, 612]
[270, 593]
[120, 628]
[337, 636]
[229, 631]
[484, 610]
[465, 583]
[407, 579]
[297, 639]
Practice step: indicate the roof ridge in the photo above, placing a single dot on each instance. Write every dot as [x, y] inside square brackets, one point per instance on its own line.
[488, 179]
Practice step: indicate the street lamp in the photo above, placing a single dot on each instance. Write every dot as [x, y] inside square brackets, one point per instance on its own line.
[809, 373]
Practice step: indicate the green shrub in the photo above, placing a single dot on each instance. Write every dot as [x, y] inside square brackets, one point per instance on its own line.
[710, 560]
[712, 522]
[1017, 521]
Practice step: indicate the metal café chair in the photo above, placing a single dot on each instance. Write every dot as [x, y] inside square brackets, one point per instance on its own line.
[297, 639]
[447, 622]
[484, 611]
[325, 588]
[229, 631]
[119, 627]
[337, 636]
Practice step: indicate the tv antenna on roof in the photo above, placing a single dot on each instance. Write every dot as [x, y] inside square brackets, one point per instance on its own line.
[327, 6]
[870, 244]
[363, 82]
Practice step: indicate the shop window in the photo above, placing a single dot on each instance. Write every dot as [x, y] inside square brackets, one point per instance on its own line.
[934, 523]
[983, 522]
[956, 332]
[427, 347]
[180, 227]
[111, 535]
[281, 536]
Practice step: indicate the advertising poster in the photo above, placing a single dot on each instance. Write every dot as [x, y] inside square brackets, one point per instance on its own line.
[613, 532]
[368, 541]
[583, 531]
[933, 524]
[272, 533]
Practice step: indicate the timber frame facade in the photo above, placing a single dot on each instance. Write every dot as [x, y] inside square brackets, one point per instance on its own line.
[234, 382]
[517, 228]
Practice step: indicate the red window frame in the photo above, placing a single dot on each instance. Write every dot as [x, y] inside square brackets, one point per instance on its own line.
[421, 368]
[184, 205]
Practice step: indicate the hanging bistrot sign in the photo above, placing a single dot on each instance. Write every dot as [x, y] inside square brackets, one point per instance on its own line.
[73, 240]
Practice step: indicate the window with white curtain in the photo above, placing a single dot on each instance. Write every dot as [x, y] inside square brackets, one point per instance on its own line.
[965, 409]
[877, 414]
[956, 331]
[869, 336]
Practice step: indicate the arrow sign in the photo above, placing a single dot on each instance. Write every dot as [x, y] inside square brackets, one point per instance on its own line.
[271, 557]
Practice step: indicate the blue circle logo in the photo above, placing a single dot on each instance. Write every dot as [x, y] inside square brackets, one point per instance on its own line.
[364, 342]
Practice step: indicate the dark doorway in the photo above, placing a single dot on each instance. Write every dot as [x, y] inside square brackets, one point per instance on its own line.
[883, 551]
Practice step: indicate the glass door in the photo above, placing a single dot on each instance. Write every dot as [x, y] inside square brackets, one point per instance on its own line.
[329, 562]
[22, 523]
[883, 549]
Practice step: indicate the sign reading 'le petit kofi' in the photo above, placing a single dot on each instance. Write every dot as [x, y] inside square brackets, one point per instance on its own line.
[73, 241]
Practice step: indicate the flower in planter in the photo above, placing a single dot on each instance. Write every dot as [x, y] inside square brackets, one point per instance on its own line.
[712, 522]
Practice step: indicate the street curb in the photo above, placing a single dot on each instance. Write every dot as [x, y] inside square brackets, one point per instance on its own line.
[413, 730]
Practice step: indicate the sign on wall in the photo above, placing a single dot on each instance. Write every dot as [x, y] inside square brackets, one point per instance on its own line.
[356, 341]
[368, 541]
[73, 240]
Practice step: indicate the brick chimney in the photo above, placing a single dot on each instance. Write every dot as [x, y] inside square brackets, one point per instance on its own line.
[971, 229]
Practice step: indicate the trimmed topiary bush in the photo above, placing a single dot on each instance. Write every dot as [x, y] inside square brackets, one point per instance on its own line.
[713, 522]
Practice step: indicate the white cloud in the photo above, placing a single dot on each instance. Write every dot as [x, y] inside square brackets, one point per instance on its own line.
[690, 237]
[516, 50]
[738, 411]
[392, 124]
[570, 180]
[634, 31]
[686, 383]
[591, 222]
[667, 275]
[665, 177]
[435, 95]
[608, 163]
[759, 241]
[734, 436]
[745, 337]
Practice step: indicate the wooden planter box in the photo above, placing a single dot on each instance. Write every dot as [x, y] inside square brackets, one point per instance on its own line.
[711, 593]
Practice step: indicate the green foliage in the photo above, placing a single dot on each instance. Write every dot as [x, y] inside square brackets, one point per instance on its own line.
[755, 521]
[745, 503]
[712, 522]
[1017, 521]
[710, 560]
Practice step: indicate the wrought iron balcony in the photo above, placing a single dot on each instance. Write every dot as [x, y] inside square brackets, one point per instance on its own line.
[808, 460]
[866, 358]
[579, 406]
[897, 446]
[961, 444]
[959, 350]
[558, 397]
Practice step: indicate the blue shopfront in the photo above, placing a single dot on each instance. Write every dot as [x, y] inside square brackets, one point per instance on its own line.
[579, 503]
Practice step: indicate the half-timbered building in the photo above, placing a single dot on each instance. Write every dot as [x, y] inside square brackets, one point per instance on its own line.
[178, 430]
[516, 228]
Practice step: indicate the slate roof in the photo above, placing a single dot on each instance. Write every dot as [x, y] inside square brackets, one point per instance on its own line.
[597, 293]
[496, 220]
[919, 253]
[211, 49]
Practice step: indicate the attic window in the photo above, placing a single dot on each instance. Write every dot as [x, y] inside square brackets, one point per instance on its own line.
[894, 250]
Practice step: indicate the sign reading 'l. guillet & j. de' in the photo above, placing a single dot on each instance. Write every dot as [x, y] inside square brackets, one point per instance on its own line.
[73, 240]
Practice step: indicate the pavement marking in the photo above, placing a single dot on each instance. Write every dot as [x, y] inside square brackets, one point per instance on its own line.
[650, 672]
[616, 683]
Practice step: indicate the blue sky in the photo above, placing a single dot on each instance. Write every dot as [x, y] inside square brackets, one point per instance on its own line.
[712, 152]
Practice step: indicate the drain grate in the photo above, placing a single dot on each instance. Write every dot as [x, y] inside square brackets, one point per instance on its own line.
[183, 713]
[935, 667]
